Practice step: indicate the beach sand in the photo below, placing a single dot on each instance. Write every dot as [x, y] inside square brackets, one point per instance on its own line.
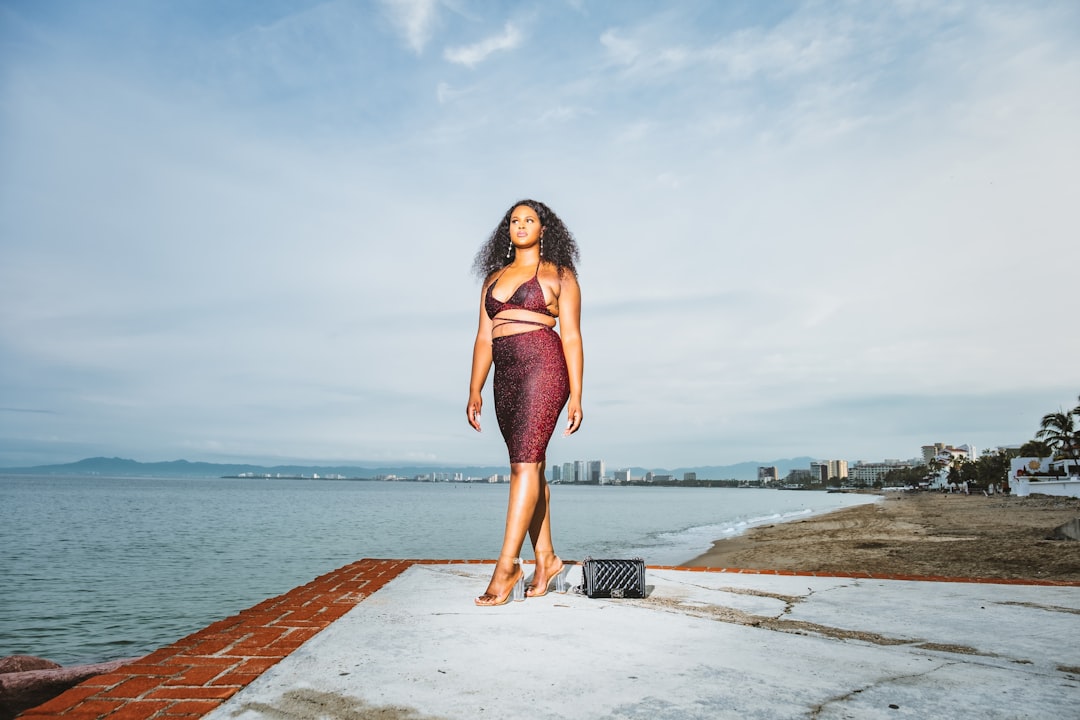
[926, 534]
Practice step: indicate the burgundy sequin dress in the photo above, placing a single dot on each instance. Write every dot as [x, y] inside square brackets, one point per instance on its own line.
[531, 380]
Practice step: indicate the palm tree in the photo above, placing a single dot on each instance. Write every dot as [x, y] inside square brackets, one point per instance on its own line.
[956, 469]
[933, 467]
[1059, 431]
[1035, 448]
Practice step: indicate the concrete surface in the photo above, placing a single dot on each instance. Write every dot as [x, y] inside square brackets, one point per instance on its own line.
[701, 645]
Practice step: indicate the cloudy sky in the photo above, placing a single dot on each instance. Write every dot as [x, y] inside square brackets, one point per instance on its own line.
[243, 231]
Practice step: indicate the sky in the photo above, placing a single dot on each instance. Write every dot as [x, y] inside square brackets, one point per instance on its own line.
[244, 232]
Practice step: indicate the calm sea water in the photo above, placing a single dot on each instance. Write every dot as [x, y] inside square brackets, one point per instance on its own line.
[98, 568]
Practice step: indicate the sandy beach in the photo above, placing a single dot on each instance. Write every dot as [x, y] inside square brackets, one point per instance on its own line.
[928, 534]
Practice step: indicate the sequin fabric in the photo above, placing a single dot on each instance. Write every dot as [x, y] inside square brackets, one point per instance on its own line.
[531, 387]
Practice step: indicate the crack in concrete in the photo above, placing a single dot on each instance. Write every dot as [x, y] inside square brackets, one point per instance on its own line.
[801, 627]
[816, 711]
[1048, 608]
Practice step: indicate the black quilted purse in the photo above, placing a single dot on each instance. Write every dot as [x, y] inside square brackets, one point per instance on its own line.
[612, 578]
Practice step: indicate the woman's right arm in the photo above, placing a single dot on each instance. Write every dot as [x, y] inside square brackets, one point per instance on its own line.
[481, 363]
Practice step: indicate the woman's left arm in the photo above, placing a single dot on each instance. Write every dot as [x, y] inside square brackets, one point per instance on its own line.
[570, 332]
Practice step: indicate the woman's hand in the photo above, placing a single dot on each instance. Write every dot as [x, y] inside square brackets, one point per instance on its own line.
[573, 417]
[472, 411]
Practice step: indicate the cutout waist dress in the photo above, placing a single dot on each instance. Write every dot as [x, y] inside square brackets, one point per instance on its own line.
[532, 383]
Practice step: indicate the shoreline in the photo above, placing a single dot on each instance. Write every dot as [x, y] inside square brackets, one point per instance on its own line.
[918, 534]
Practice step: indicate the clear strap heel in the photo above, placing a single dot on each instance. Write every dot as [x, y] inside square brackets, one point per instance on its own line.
[518, 593]
[515, 592]
[560, 579]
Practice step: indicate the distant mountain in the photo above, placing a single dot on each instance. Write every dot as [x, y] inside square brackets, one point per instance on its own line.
[123, 467]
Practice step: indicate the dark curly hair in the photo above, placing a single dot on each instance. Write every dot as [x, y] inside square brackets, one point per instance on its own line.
[558, 247]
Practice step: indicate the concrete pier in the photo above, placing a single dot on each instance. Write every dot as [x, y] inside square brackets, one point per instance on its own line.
[402, 639]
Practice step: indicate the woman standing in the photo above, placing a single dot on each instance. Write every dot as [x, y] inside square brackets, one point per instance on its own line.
[530, 282]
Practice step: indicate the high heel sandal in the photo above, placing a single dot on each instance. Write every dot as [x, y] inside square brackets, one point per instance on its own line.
[559, 576]
[515, 591]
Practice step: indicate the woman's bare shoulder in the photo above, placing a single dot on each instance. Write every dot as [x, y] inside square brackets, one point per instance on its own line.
[491, 277]
[556, 278]
[549, 270]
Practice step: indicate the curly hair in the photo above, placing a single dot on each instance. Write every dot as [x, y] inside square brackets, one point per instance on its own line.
[558, 247]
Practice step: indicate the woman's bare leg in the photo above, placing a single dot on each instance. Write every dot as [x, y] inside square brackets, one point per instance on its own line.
[525, 487]
[547, 563]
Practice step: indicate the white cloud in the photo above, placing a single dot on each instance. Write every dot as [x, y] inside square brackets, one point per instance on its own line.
[561, 113]
[621, 50]
[415, 19]
[473, 55]
[445, 93]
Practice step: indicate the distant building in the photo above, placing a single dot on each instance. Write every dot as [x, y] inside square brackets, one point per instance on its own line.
[929, 452]
[556, 473]
[596, 471]
[871, 473]
[689, 477]
[822, 471]
[622, 476]
[568, 472]
[768, 475]
[799, 477]
[947, 452]
[580, 471]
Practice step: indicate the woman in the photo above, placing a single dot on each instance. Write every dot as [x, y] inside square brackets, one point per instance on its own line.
[530, 281]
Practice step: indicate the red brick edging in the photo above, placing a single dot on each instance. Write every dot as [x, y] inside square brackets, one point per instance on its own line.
[194, 675]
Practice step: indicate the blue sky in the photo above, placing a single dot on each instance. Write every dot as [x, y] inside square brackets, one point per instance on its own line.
[243, 231]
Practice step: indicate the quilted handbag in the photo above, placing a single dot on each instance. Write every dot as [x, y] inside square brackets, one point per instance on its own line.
[612, 578]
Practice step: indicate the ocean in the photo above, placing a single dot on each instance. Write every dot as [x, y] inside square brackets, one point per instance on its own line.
[99, 568]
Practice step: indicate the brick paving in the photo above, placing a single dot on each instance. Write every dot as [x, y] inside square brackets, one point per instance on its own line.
[194, 675]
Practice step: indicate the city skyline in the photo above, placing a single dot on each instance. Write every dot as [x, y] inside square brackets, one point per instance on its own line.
[593, 470]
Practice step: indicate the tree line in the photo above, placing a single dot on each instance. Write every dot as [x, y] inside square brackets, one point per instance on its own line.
[1058, 438]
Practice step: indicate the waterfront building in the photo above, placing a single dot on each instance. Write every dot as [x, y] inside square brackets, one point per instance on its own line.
[768, 475]
[871, 473]
[556, 473]
[580, 471]
[799, 477]
[596, 471]
[929, 452]
[948, 452]
[622, 476]
[568, 472]
[689, 477]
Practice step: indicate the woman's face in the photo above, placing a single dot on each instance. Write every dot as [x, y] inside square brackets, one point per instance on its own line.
[525, 227]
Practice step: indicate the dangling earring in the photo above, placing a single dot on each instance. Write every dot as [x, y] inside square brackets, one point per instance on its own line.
[509, 249]
[541, 246]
